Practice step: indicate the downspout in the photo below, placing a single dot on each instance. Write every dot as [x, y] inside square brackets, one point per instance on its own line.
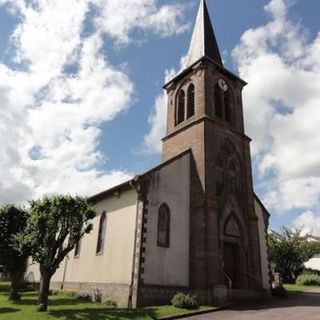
[64, 272]
[134, 184]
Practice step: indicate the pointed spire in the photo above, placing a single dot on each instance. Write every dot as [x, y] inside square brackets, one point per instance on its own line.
[203, 42]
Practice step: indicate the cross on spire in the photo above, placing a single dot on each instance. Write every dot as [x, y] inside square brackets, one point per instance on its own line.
[203, 42]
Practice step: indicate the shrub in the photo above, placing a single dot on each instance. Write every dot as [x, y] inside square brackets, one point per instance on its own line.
[111, 304]
[279, 292]
[308, 280]
[55, 292]
[70, 293]
[28, 287]
[84, 297]
[184, 301]
[311, 271]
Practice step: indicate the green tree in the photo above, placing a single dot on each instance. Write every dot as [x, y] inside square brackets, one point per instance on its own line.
[13, 220]
[56, 225]
[289, 250]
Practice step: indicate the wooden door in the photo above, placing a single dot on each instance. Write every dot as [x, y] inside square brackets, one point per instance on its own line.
[232, 263]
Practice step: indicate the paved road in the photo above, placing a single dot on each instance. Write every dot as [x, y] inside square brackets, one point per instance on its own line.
[304, 306]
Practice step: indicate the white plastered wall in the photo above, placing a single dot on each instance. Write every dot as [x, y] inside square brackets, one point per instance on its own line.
[263, 246]
[170, 185]
[314, 263]
[115, 264]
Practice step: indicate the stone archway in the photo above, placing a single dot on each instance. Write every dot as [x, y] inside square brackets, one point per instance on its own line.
[234, 246]
[232, 252]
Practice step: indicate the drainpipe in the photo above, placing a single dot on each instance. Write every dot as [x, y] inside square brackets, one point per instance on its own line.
[134, 185]
[64, 272]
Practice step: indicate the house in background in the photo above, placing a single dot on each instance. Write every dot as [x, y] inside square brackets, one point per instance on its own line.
[193, 223]
[314, 263]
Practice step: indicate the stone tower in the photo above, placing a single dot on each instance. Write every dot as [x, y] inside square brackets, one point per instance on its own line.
[205, 115]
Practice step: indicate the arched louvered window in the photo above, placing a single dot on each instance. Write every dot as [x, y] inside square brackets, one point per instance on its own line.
[102, 233]
[219, 101]
[164, 226]
[232, 167]
[233, 173]
[232, 228]
[227, 106]
[180, 112]
[191, 101]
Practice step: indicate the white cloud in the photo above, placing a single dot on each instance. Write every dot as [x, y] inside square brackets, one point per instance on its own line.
[309, 222]
[282, 107]
[157, 121]
[120, 18]
[158, 117]
[60, 91]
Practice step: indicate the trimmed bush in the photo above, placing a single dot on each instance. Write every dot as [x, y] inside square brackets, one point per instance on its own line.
[308, 280]
[110, 304]
[184, 301]
[279, 292]
[28, 287]
[84, 297]
[311, 271]
[70, 293]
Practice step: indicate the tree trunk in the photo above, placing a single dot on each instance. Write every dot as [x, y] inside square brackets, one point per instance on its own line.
[44, 291]
[16, 279]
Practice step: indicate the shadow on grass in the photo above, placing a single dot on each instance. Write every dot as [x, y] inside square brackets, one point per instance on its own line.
[31, 299]
[4, 287]
[8, 310]
[102, 314]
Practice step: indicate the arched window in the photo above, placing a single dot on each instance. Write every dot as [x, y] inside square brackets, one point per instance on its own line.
[164, 226]
[227, 106]
[218, 101]
[102, 233]
[191, 101]
[180, 112]
[219, 185]
[232, 227]
[233, 173]
[232, 167]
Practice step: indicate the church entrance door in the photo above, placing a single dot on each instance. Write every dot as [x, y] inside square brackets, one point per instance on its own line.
[232, 263]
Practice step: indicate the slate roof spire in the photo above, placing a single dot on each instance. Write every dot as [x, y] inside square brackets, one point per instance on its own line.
[203, 42]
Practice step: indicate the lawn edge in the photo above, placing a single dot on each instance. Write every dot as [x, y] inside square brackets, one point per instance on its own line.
[187, 315]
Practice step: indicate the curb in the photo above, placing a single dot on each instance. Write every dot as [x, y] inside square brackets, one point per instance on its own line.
[188, 315]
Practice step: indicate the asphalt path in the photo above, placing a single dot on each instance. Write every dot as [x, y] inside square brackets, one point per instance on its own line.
[304, 306]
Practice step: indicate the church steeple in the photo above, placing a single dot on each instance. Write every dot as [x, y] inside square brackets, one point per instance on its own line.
[203, 42]
[205, 116]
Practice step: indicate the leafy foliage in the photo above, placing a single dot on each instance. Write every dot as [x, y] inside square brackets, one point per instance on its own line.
[280, 292]
[311, 271]
[109, 303]
[184, 301]
[13, 220]
[56, 225]
[289, 250]
[308, 280]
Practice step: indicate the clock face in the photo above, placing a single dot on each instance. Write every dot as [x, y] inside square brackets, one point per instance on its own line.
[223, 85]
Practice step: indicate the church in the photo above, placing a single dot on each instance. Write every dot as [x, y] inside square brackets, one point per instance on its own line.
[193, 224]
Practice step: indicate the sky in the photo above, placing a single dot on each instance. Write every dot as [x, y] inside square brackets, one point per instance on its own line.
[82, 106]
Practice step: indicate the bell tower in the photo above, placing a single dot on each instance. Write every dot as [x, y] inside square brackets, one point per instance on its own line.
[205, 115]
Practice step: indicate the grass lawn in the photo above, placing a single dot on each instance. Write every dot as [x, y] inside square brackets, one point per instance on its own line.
[294, 288]
[62, 307]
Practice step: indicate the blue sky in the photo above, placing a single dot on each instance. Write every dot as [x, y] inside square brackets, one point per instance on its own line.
[81, 90]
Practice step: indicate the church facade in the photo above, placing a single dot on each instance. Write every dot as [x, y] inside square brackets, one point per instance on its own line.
[192, 224]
